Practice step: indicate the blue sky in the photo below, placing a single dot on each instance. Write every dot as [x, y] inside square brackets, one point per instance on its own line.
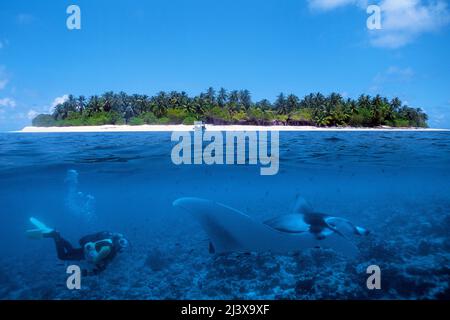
[145, 46]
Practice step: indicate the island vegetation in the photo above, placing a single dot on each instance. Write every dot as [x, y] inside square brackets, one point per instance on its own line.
[234, 107]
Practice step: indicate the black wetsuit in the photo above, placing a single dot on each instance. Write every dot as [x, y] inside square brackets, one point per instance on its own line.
[67, 252]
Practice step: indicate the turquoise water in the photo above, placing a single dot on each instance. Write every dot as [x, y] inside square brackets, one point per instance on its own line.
[394, 183]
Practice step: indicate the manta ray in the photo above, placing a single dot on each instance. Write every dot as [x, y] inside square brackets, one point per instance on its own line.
[230, 230]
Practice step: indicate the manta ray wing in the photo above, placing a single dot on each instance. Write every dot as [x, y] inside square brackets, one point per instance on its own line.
[291, 223]
[231, 230]
[301, 206]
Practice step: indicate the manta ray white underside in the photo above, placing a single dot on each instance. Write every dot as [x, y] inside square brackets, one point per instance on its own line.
[230, 230]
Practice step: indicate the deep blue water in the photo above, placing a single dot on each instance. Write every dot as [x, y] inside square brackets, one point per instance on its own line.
[394, 183]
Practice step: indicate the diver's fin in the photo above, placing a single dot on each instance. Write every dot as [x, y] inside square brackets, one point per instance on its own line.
[233, 231]
[41, 230]
[301, 206]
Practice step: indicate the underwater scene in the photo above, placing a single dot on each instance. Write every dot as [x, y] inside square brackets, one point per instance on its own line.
[390, 189]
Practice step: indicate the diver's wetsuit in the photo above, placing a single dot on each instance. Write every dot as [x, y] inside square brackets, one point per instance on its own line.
[67, 252]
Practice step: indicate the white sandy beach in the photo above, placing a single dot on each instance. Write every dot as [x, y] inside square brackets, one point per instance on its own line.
[170, 128]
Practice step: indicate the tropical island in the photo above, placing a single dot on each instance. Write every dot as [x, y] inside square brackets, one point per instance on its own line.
[232, 108]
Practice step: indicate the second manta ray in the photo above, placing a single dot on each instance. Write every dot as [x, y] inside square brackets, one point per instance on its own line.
[230, 230]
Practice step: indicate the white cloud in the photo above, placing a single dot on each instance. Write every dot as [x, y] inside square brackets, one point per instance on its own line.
[333, 4]
[392, 77]
[395, 74]
[402, 20]
[58, 100]
[329, 4]
[32, 114]
[7, 102]
[439, 116]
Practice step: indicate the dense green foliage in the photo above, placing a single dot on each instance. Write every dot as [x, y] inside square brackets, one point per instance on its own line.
[235, 107]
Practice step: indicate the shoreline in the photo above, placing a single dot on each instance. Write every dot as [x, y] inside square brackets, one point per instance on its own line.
[208, 127]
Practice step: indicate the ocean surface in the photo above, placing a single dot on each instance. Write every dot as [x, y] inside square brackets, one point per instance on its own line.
[396, 184]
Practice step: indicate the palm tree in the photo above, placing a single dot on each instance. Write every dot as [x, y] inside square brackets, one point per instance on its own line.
[211, 96]
[108, 100]
[62, 110]
[71, 103]
[145, 103]
[307, 101]
[376, 106]
[174, 99]
[281, 104]
[335, 99]
[319, 100]
[339, 116]
[159, 110]
[364, 101]
[245, 99]
[264, 105]
[93, 105]
[324, 111]
[129, 113]
[396, 104]
[233, 101]
[184, 99]
[120, 102]
[321, 118]
[160, 104]
[58, 111]
[222, 97]
[352, 106]
[197, 106]
[81, 103]
[292, 103]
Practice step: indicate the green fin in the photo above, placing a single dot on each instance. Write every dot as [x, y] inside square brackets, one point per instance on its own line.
[40, 231]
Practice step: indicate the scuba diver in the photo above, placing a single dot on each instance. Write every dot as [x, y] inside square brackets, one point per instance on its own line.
[97, 249]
